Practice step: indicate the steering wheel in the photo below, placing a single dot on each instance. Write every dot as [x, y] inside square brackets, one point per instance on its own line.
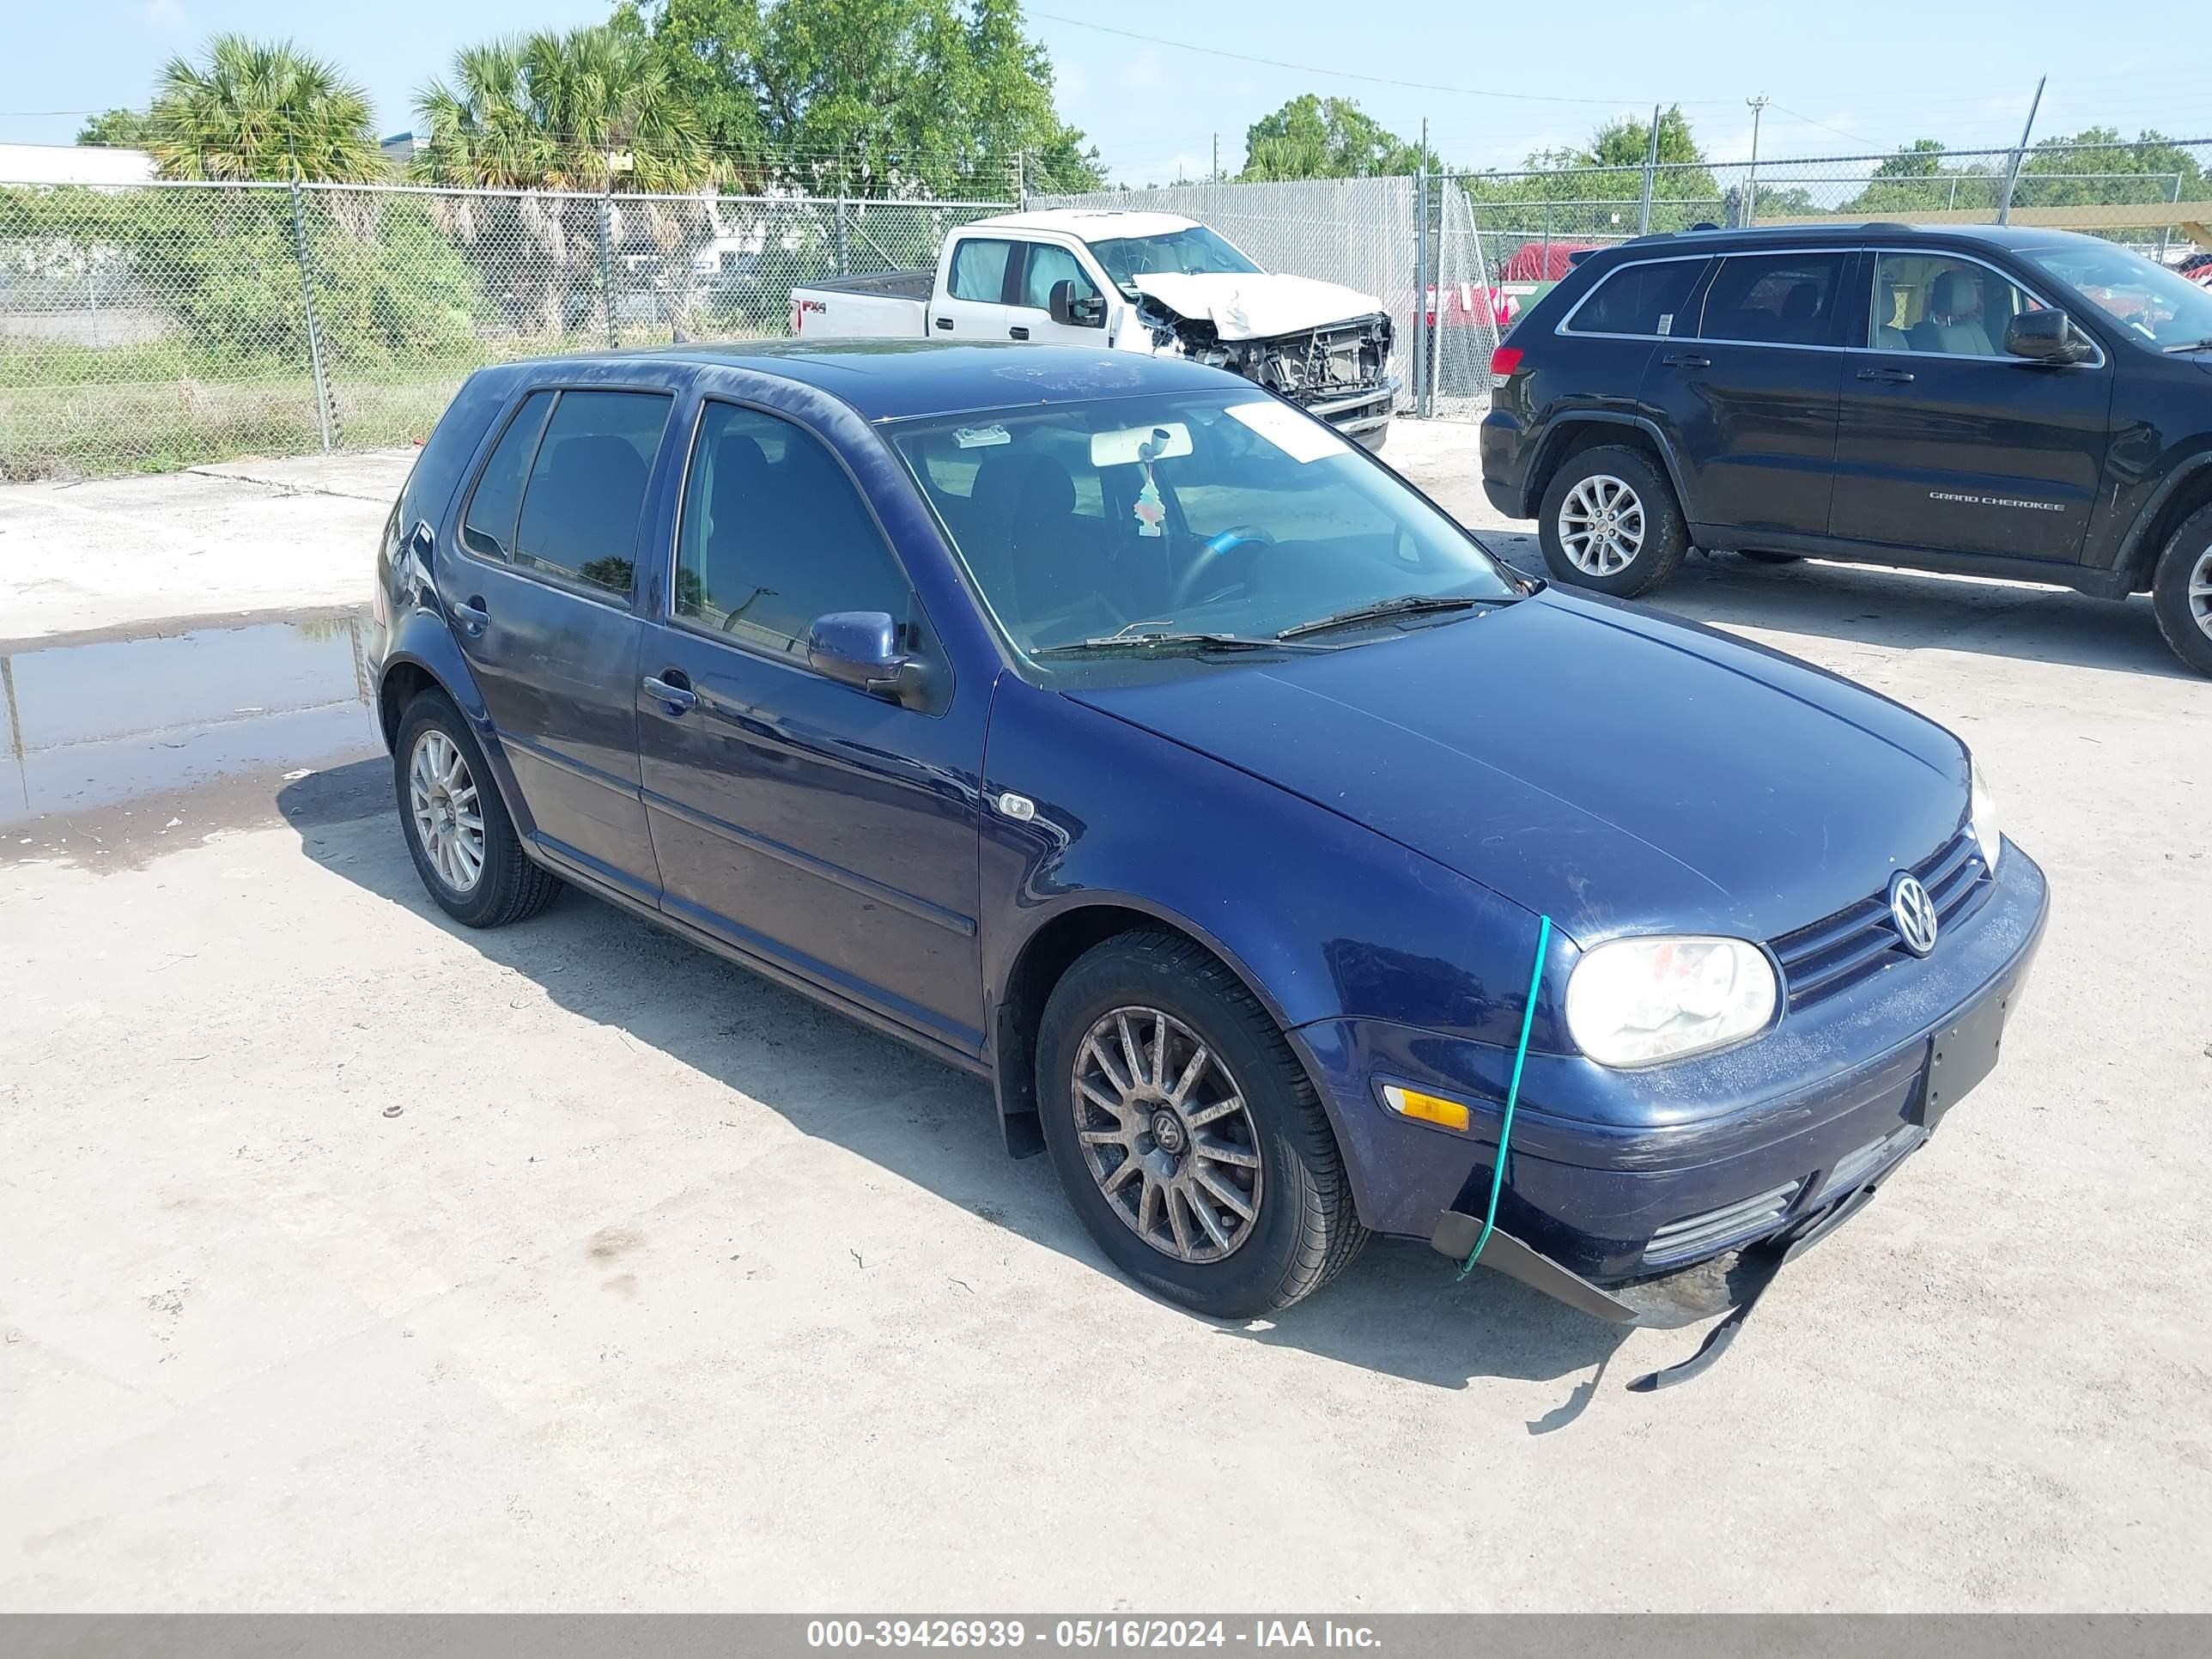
[1209, 558]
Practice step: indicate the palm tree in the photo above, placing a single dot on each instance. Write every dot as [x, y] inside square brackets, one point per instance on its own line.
[263, 110]
[587, 112]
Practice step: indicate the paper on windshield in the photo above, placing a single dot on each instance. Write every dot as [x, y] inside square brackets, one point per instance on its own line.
[1298, 437]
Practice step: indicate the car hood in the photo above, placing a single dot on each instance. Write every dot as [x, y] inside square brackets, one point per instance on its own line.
[1257, 304]
[1614, 770]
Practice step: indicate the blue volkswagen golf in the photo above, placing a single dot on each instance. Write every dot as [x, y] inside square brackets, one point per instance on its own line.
[1113, 730]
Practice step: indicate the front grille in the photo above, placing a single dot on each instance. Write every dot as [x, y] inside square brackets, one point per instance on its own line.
[1715, 1229]
[1860, 941]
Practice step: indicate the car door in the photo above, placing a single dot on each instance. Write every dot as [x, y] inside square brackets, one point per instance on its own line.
[1044, 263]
[1750, 396]
[977, 279]
[801, 819]
[542, 598]
[1948, 441]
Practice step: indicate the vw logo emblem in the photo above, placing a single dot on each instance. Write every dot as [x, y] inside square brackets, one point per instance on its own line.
[1914, 913]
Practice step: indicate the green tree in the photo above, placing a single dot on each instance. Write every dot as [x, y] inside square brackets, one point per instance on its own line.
[592, 109]
[1313, 137]
[884, 97]
[252, 109]
[121, 129]
[1597, 189]
[1921, 178]
[2095, 168]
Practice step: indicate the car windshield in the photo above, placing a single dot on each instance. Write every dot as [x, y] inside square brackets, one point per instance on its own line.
[1195, 250]
[2164, 307]
[1098, 531]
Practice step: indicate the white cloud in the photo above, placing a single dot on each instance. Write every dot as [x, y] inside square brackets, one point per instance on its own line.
[1143, 70]
[1069, 83]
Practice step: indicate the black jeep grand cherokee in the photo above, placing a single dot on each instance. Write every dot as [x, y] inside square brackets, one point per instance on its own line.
[1994, 402]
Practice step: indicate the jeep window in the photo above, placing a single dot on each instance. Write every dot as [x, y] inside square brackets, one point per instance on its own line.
[979, 271]
[1194, 251]
[1774, 299]
[1941, 304]
[2153, 303]
[1640, 299]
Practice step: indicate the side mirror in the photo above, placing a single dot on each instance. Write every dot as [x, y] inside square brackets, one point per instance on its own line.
[861, 648]
[2046, 336]
[1090, 312]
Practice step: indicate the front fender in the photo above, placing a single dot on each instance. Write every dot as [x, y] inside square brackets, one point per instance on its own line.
[1322, 918]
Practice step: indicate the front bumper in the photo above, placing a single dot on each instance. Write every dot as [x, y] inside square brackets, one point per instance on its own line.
[1623, 1175]
[1363, 410]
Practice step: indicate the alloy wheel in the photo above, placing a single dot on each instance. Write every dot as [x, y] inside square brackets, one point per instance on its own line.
[1601, 525]
[1166, 1134]
[2200, 594]
[441, 794]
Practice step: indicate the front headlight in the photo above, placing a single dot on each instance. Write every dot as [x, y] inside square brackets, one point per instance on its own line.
[1982, 813]
[1637, 1001]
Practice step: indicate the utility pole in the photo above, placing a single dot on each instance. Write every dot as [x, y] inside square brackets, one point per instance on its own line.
[1217, 158]
[1650, 167]
[2012, 175]
[1751, 184]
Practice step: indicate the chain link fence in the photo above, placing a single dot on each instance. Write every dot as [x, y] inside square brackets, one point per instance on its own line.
[156, 326]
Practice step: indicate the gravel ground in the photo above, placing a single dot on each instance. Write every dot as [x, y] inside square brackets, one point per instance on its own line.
[349, 1259]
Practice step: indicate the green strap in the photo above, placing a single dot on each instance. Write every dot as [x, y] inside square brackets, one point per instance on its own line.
[1512, 1095]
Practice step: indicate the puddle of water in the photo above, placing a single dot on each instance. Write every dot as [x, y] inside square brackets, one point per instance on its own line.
[94, 724]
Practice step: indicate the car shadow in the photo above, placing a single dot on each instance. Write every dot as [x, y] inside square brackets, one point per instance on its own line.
[1892, 611]
[1400, 1309]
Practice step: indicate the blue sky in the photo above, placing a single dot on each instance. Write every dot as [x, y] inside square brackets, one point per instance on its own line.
[1843, 78]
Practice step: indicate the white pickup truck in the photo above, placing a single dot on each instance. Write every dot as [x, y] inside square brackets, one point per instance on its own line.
[1154, 282]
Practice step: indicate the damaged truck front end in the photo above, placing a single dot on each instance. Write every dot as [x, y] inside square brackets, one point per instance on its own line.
[1339, 371]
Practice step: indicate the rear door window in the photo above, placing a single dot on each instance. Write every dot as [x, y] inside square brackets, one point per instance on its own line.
[586, 490]
[487, 527]
[1641, 299]
[979, 271]
[1775, 299]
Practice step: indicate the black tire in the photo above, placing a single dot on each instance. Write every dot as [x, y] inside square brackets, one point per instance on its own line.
[1305, 1231]
[1760, 555]
[2187, 561]
[1666, 534]
[508, 888]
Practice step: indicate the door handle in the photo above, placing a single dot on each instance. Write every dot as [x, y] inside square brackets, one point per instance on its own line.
[1019, 332]
[674, 694]
[944, 322]
[1887, 376]
[1686, 360]
[471, 615]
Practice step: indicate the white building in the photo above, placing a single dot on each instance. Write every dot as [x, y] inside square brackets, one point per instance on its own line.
[73, 164]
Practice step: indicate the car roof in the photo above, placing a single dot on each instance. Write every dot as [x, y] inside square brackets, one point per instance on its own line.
[896, 379]
[1090, 224]
[1660, 243]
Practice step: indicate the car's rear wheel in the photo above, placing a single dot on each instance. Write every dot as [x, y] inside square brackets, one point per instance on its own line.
[1610, 522]
[2181, 591]
[458, 830]
[1189, 1137]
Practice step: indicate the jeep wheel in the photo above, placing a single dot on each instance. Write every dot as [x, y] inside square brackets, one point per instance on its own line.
[1189, 1137]
[2181, 591]
[1610, 522]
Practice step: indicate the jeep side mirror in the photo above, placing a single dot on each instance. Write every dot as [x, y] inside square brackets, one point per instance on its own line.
[2046, 336]
[861, 648]
[1088, 311]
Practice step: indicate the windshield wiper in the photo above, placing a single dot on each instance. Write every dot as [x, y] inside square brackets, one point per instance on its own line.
[1126, 642]
[1406, 604]
[2204, 344]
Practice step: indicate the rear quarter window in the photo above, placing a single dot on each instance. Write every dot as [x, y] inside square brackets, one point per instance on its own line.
[1640, 299]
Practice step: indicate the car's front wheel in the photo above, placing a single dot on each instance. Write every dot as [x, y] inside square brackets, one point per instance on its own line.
[457, 827]
[1610, 522]
[1189, 1137]
[2181, 591]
